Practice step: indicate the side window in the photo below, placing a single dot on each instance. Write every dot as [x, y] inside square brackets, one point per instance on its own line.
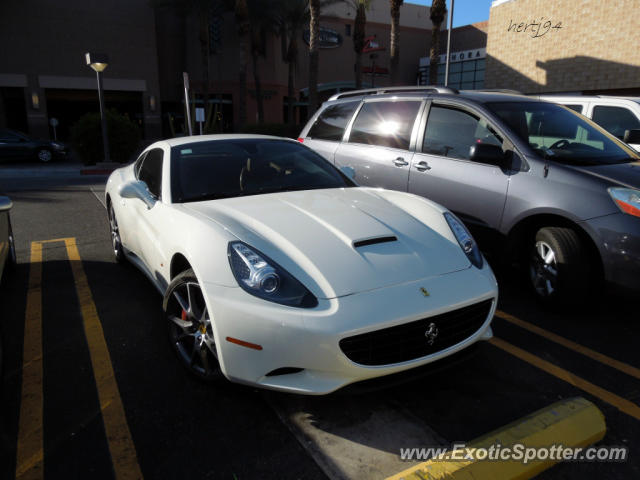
[452, 133]
[615, 120]
[9, 137]
[151, 171]
[332, 121]
[387, 124]
[575, 108]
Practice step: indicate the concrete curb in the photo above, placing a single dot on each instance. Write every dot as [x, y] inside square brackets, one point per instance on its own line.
[571, 423]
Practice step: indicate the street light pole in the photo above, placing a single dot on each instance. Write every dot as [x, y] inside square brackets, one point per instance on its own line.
[99, 62]
[103, 119]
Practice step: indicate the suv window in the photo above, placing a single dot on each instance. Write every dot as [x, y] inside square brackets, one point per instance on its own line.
[575, 108]
[151, 171]
[452, 133]
[332, 121]
[615, 120]
[387, 124]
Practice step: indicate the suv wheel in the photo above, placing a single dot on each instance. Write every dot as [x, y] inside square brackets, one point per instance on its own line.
[558, 265]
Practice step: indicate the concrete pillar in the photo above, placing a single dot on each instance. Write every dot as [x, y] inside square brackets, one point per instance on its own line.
[36, 106]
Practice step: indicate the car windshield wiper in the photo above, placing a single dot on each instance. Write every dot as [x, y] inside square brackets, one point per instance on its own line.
[213, 196]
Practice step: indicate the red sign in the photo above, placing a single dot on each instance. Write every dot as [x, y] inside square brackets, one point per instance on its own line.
[371, 45]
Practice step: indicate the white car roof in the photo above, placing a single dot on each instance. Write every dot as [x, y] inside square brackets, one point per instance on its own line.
[174, 142]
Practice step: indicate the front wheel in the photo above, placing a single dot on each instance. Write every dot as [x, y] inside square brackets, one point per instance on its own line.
[44, 155]
[116, 243]
[559, 266]
[190, 328]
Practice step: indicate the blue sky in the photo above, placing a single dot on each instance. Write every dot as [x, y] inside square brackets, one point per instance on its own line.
[464, 11]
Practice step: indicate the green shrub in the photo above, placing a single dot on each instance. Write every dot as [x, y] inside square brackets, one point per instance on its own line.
[86, 137]
[275, 129]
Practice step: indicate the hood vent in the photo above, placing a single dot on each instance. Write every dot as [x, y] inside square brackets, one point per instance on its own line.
[373, 241]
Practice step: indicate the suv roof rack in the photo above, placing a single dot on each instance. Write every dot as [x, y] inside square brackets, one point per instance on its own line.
[500, 90]
[383, 90]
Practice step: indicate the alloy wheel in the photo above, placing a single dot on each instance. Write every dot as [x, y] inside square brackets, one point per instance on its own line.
[115, 235]
[543, 269]
[44, 155]
[190, 330]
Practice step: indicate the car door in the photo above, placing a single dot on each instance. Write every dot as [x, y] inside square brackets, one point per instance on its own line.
[442, 170]
[616, 119]
[327, 130]
[149, 220]
[379, 142]
[12, 146]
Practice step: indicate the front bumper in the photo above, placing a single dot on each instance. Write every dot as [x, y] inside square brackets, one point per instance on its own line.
[618, 239]
[309, 339]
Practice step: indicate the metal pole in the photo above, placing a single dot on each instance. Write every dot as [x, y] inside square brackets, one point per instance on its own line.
[446, 70]
[187, 106]
[103, 119]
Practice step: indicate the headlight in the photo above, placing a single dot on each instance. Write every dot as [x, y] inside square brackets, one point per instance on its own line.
[627, 199]
[466, 241]
[262, 277]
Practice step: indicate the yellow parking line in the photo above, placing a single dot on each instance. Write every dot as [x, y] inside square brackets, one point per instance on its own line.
[121, 447]
[29, 454]
[597, 356]
[620, 403]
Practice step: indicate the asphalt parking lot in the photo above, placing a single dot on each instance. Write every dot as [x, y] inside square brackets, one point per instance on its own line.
[114, 401]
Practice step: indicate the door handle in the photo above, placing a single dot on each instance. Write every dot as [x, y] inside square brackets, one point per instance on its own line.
[400, 162]
[422, 166]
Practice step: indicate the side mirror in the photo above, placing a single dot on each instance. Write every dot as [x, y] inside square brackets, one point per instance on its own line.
[631, 136]
[350, 172]
[490, 154]
[137, 189]
[5, 204]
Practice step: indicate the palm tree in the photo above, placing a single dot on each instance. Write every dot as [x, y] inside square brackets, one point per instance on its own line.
[314, 34]
[395, 39]
[359, 27]
[262, 20]
[437, 14]
[293, 15]
[243, 27]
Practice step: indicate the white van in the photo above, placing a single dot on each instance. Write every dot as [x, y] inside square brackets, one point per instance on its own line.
[614, 114]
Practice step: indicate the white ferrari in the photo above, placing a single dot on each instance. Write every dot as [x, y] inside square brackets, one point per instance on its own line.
[278, 271]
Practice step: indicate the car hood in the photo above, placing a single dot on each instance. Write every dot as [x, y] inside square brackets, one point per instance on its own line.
[312, 235]
[624, 174]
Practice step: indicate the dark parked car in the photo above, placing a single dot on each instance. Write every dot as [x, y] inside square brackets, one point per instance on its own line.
[561, 192]
[16, 145]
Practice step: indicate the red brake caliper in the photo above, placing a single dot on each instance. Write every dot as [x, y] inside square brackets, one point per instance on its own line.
[184, 315]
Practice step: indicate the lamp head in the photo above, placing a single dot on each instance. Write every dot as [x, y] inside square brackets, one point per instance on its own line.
[97, 61]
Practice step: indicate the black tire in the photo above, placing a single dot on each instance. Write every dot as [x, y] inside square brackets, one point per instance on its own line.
[189, 327]
[114, 231]
[563, 275]
[44, 155]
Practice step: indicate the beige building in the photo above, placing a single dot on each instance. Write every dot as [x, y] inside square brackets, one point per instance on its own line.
[582, 46]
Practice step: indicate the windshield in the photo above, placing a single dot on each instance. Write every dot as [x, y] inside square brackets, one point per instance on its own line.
[239, 167]
[557, 133]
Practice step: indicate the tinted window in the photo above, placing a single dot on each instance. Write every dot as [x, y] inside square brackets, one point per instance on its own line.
[452, 133]
[559, 134]
[388, 124]
[234, 168]
[9, 137]
[615, 120]
[575, 108]
[151, 171]
[332, 121]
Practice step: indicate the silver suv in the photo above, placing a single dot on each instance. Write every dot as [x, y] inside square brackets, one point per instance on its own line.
[560, 192]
